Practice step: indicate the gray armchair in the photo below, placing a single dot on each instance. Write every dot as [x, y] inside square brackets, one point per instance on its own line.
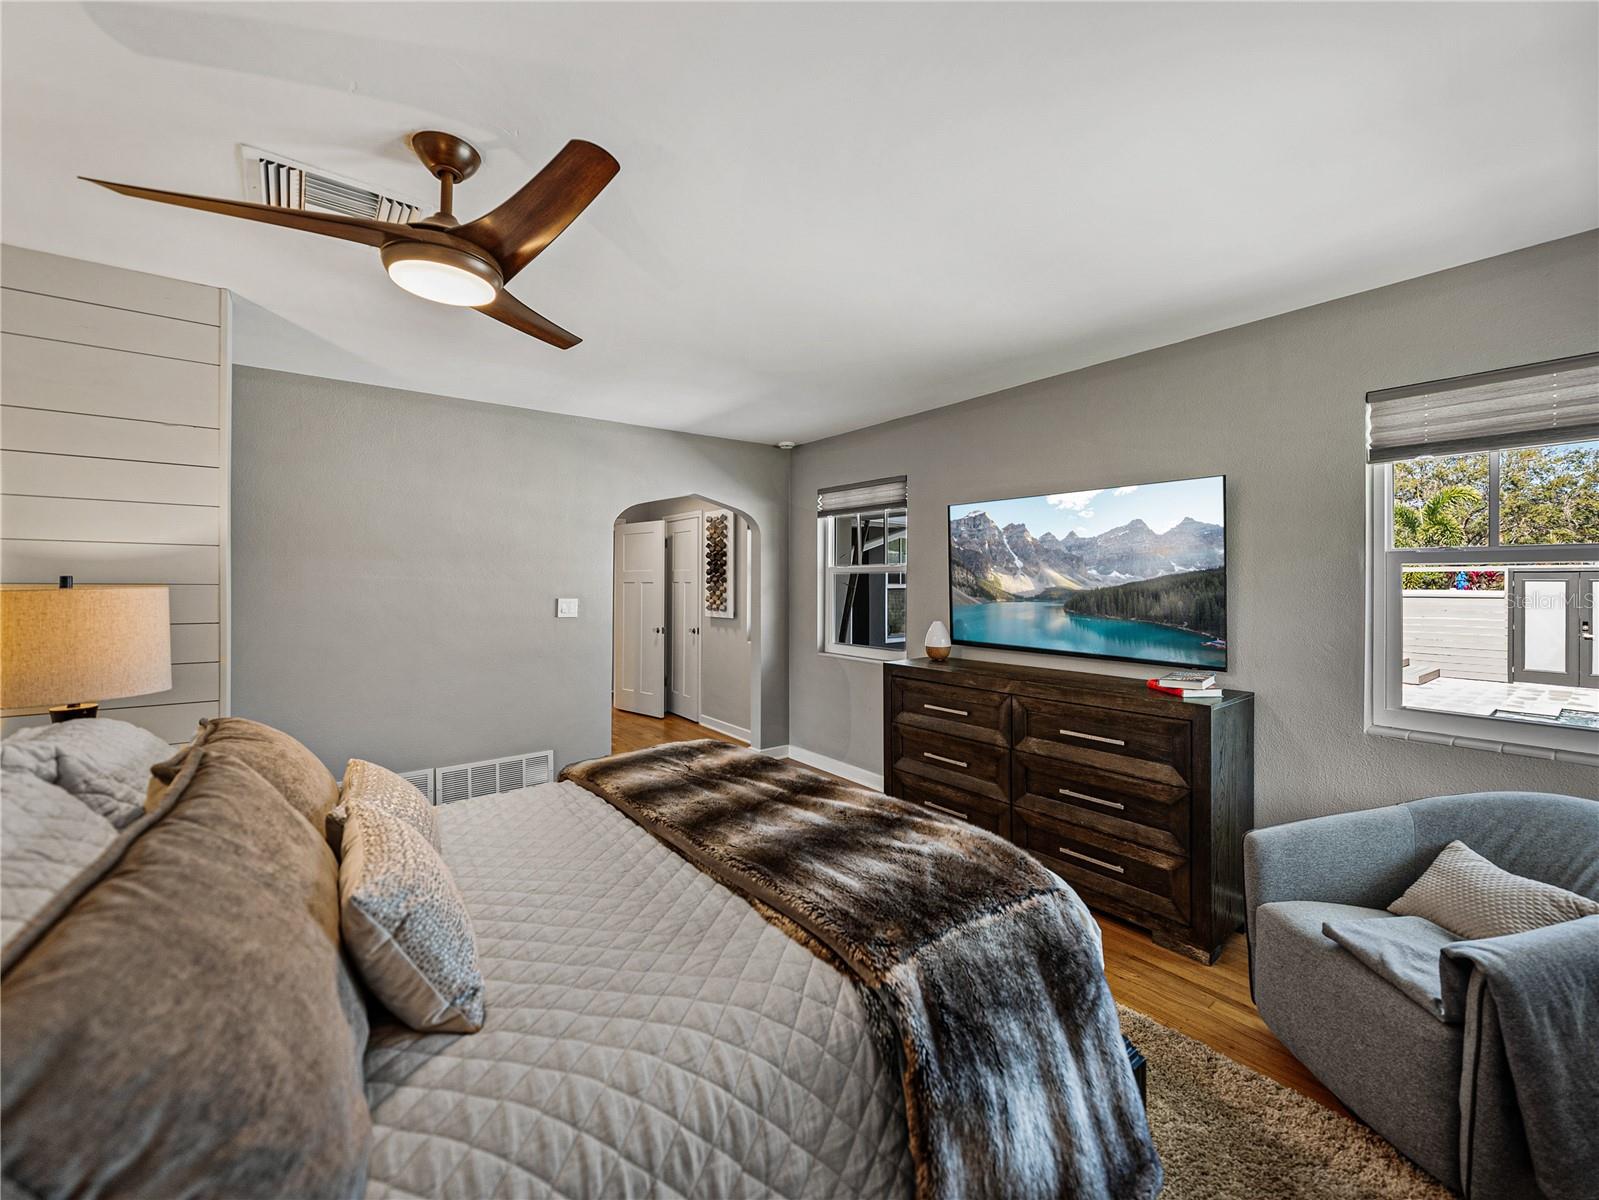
[1399, 1068]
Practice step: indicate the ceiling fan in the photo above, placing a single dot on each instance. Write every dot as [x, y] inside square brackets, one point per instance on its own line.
[437, 257]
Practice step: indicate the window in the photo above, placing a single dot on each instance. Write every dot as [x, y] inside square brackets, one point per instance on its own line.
[1484, 560]
[864, 540]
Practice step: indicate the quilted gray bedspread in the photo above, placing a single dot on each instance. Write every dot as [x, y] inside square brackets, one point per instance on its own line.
[648, 1033]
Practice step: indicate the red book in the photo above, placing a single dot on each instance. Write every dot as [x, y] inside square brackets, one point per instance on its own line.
[1200, 694]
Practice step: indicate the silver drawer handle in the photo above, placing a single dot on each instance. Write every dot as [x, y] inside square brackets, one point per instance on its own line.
[1091, 799]
[954, 762]
[948, 812]
[959, 712]
[1098, 862]
[1093, 737]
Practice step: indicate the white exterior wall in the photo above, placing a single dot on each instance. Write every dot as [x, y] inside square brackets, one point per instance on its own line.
[1465, 634]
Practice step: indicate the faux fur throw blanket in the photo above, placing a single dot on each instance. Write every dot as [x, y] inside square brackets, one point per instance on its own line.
[974, 959]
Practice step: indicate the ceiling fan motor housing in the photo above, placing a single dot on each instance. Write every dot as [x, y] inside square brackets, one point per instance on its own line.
[445, 154]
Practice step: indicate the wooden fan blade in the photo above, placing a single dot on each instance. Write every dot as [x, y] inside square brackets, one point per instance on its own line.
[517, 231]
[351, 229]
[507, 308]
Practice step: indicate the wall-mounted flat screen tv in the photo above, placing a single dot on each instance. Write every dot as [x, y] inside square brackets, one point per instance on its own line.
[1137, 572]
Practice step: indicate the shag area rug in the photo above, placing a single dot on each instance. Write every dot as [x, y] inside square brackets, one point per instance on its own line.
[1225, 1132]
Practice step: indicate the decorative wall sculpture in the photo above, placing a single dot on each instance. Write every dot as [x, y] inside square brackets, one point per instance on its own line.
[719, 563]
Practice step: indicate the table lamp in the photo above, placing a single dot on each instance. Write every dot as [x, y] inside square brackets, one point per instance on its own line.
[60, 646]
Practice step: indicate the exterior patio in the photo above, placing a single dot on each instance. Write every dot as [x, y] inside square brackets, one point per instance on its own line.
[1485, 698]
[1457, 660]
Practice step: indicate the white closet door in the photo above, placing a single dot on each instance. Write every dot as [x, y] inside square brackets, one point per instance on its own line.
[685, 605]
[638, 616]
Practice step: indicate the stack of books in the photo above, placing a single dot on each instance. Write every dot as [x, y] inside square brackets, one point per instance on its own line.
[1188, 685]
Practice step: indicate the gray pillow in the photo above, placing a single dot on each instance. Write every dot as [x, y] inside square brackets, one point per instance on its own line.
[406, 925]
[1472, 898]
[105, 763]
[47, 836]
[179, 1021]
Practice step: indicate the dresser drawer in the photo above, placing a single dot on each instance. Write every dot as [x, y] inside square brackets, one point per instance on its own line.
[955, 762]
[1111, 873]
[1109, 739]
[979, 811]
[959, 711]
[1157, 815]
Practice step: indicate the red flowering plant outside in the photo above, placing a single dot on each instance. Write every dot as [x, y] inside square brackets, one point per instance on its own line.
[1453, 581]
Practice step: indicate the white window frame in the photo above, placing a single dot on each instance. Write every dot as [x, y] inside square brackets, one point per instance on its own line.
[1385, 713]
[828, 570]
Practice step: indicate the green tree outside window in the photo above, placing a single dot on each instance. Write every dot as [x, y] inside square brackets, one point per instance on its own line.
[1441, 501]
[1549, 495]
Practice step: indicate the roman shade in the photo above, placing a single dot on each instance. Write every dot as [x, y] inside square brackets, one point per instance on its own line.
[861, 497]
[1554, 401]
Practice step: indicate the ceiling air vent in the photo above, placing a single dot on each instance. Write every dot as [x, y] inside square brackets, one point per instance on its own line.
[273, 179]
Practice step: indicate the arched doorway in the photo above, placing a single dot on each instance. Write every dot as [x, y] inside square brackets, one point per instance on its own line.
[686, 623]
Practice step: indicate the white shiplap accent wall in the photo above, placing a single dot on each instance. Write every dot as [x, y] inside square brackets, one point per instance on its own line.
[115, 392]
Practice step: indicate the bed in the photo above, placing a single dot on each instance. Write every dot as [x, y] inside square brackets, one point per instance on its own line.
[692, 968]
[648, 1032]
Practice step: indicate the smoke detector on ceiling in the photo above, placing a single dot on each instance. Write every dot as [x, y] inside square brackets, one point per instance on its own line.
[275, 179]
[786, 445]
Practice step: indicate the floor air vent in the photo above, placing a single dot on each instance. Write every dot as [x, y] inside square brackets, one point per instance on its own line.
[465, 781]
[422, 781]
[272, 179]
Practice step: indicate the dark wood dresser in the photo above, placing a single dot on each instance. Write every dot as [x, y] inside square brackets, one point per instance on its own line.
[1139, 801]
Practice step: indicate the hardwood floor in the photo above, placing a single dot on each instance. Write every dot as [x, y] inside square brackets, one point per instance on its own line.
[1209, 1004]
[629, 731]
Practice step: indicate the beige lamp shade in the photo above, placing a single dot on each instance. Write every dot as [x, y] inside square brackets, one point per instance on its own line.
[86, 643]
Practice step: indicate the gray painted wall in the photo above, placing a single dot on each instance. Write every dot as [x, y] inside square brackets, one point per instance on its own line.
[727, 646]
[1277, 407]
[397, 558]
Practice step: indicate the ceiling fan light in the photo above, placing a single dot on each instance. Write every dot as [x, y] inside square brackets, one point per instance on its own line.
[442, 275]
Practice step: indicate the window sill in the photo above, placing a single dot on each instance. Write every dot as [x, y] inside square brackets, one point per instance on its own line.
[862, 653]
[1579, 746]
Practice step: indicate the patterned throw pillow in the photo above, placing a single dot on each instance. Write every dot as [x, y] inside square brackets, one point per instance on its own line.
[405, 923]
[368, 783]
[1472, 898]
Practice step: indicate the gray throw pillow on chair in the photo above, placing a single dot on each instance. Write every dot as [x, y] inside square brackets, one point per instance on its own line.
[1472, 898]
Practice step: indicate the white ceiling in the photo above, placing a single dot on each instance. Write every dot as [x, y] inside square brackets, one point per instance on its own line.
[828, 215]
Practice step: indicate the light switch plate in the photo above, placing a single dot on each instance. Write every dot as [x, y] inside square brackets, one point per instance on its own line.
[566, 606]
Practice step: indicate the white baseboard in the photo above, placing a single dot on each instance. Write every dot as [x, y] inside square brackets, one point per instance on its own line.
[773, 751]
[739, 732]
[834, 766]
